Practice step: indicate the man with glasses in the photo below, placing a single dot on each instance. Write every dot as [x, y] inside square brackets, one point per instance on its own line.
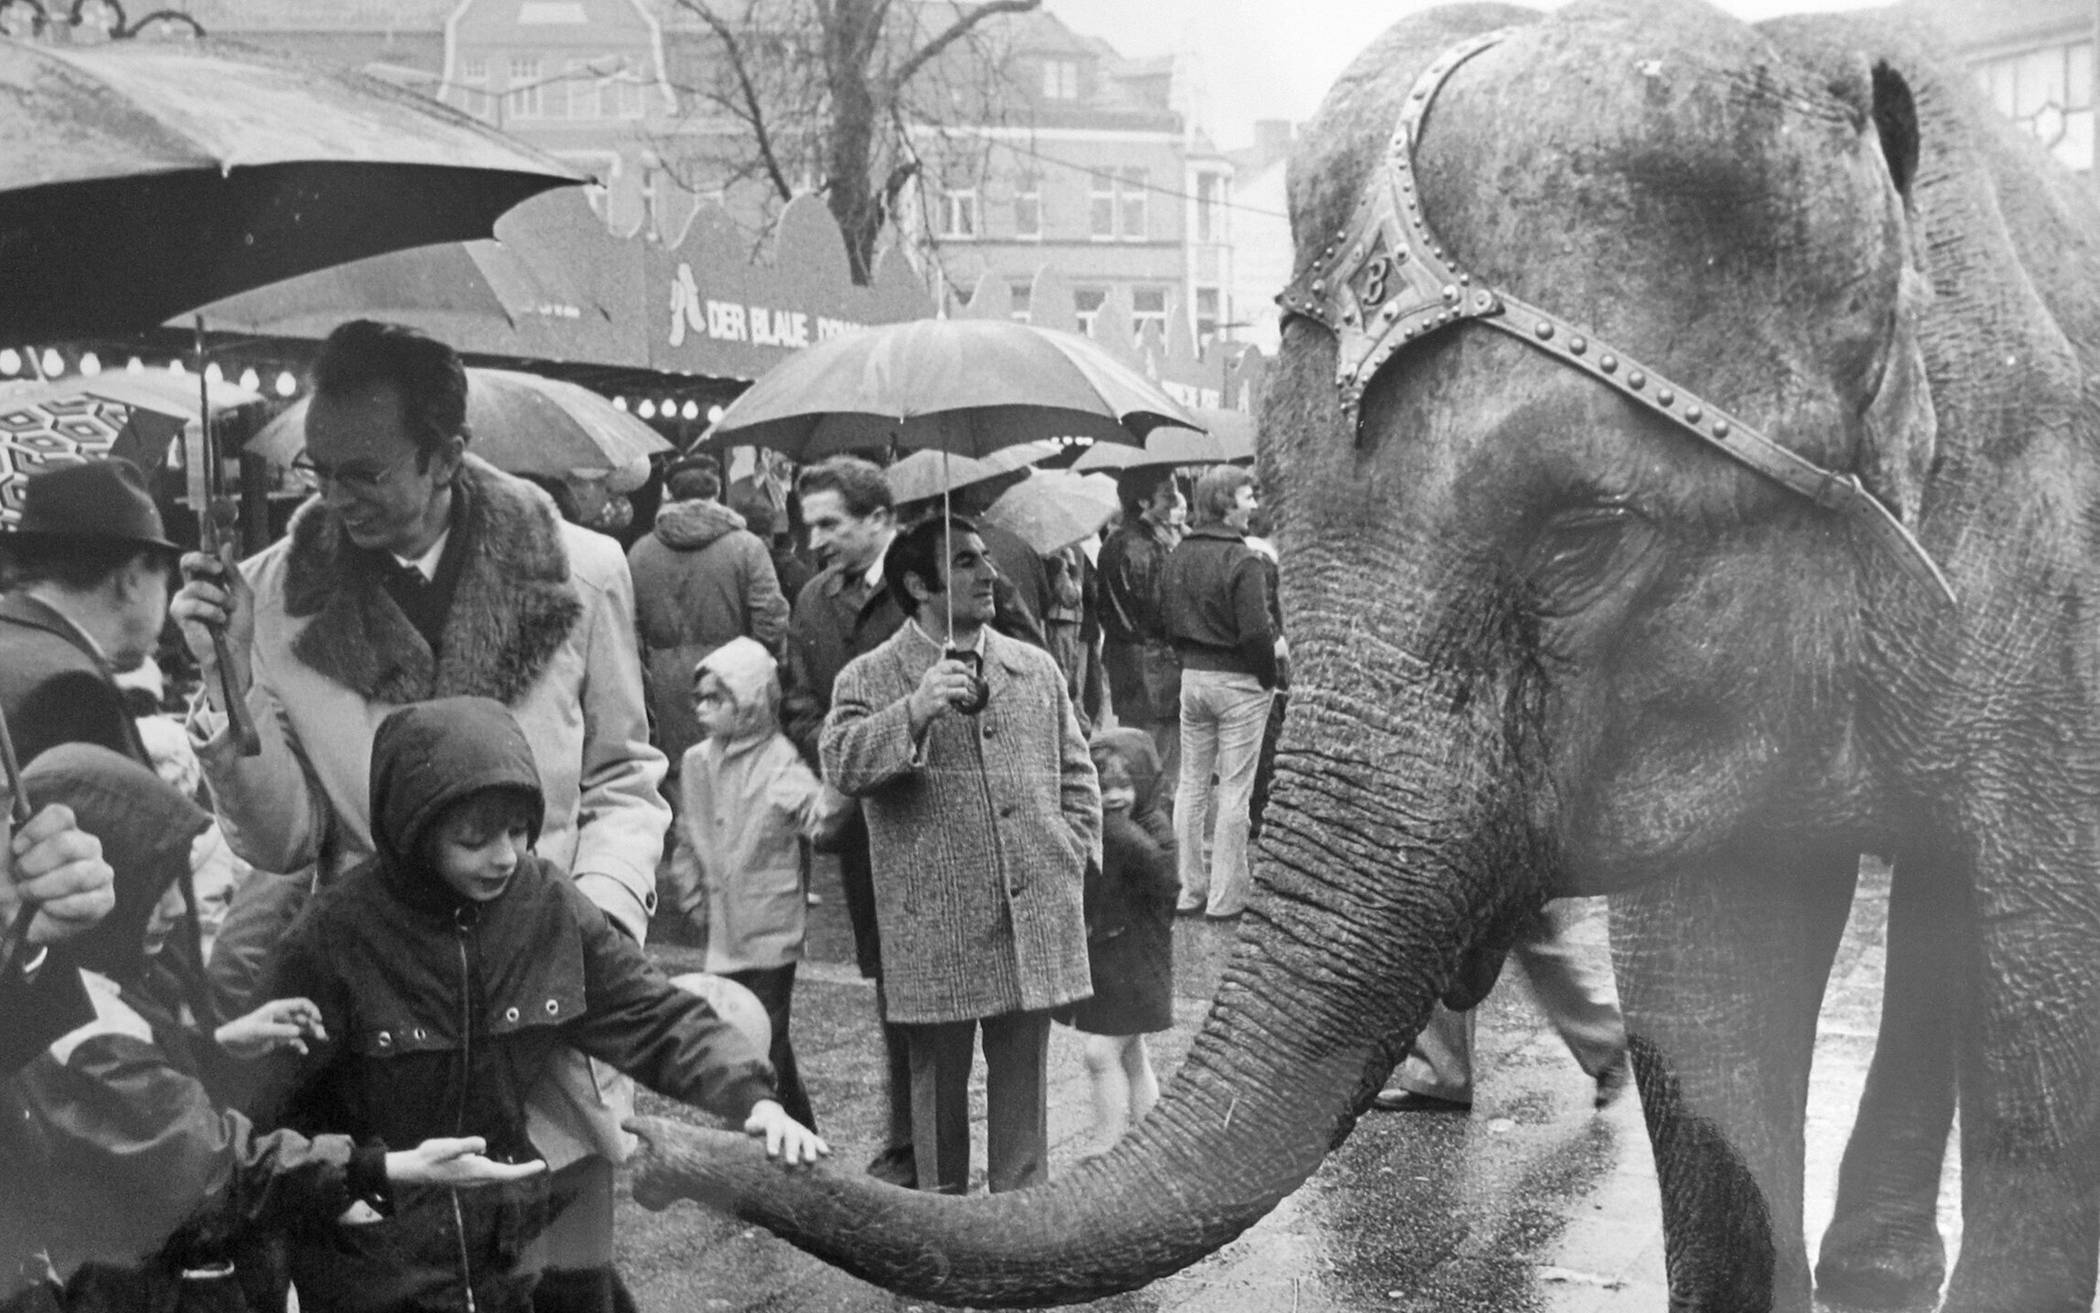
[418, 571]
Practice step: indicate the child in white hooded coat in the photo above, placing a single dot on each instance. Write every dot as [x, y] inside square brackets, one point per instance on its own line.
[749, 802]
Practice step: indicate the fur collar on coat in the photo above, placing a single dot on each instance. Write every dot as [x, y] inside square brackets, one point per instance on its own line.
[513, 607]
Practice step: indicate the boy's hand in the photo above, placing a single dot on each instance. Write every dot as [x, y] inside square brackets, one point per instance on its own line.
[787, 1140]
[458, 1163]
[281, 1023]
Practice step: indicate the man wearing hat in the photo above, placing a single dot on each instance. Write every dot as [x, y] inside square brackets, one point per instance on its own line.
[87, 579]
[87, 594]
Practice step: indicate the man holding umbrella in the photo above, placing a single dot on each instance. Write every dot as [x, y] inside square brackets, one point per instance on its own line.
[416, 572]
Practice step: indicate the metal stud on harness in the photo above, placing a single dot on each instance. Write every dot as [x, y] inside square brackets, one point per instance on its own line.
[1386, 280]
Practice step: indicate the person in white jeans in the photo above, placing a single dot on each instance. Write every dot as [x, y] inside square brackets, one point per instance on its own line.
[1572, 984]
[1214, 606]
[1223, 718]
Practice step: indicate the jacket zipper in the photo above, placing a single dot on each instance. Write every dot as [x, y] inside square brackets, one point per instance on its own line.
[462, 929]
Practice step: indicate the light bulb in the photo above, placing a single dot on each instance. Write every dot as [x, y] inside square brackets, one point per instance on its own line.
[175, 368]
[134, 366]
[286, 384]
[54, 363]
[714, 413]
[91, 364]
[647, 410]
[213, 374]
[619, 403]
[690, 410]
[10, 361]
[250, 379]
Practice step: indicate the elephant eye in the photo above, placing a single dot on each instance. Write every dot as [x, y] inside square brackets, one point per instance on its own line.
[1581, 553]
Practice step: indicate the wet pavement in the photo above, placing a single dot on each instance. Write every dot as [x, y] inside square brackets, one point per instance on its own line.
[1534, 1201]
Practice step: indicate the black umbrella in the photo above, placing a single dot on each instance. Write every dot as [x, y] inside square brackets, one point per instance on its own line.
[139, 180]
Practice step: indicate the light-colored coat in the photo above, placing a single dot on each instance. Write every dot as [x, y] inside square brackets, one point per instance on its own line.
[748, 800]
[980, 833]
[543, 621]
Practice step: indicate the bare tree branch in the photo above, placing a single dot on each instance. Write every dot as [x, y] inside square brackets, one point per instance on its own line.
[955, 31]
[756, 115]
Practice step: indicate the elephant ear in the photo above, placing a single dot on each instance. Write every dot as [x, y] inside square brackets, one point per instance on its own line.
[1900, 429]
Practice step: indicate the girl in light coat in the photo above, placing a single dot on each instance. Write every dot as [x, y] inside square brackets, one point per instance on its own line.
[740, 869]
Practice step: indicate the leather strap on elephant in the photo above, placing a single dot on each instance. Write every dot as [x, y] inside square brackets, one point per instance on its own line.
[1386, 280]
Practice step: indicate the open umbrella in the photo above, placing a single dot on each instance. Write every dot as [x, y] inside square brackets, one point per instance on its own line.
[1052, 509]
[1228, 437]
[157, 392]
[140, 179]
[965, 386]
[522, 424]
[924, 474]
[61, 421]
[968, 387]
[458, 292]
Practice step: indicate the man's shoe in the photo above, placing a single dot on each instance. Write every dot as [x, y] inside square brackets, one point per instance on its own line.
[1396, 1099]
[1613, 1080]
[896, 1165]
[1187, 909]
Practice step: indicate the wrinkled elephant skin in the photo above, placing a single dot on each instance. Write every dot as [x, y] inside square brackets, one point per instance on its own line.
[1546, 642]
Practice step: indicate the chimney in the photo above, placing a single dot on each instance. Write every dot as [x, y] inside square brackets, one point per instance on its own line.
[1272, 139]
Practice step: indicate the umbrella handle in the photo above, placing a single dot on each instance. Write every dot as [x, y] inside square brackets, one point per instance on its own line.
[18, 815]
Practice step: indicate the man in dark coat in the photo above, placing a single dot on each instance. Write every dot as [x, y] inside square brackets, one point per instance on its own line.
[1144, 675]
[844, 612]
[701, 578]
[88, 571]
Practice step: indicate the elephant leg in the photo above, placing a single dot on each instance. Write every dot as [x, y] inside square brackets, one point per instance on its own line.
[1883, 1248]
[2030, 1105]
[1721, 975]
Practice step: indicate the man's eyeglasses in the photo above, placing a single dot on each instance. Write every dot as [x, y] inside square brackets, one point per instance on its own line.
[352, 479]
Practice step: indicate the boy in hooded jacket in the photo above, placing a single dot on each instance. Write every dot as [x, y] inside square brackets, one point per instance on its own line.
[450, 971]
[739, 869]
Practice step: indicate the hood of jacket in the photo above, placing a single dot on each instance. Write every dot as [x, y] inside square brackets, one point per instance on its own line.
[512, 609]
[429, 756]
[751, 676]
[146, 827]
[1140, 759]
[687, 526]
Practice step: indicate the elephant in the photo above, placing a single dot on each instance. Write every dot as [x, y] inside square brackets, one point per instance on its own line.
[1687, 480]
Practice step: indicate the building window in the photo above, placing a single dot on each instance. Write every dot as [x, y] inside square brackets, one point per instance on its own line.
[1020, 296]
[581, 90]
[1028, 206]
[1117, 206]
[1148, 305]
[1101, 196]
[1208, 316]
[2049, 93]
[471, 86]
[1211, 200]
[1086, 303]
[521, 98]
[1134, 187]
[1060, 79]
[957, 219]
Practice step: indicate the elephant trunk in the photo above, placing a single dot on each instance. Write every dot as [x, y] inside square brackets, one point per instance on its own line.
[1374, 885]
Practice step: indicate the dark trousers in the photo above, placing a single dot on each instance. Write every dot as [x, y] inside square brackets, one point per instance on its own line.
[857, 879]
[775, 988]
[1016, 1061]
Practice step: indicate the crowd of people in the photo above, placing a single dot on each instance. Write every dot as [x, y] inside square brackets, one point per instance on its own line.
[354, 1007]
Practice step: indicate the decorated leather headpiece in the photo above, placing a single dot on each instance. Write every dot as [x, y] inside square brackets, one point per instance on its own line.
[1386, 280]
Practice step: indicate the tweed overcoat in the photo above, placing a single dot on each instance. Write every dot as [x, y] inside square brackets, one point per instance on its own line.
[980, 832]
